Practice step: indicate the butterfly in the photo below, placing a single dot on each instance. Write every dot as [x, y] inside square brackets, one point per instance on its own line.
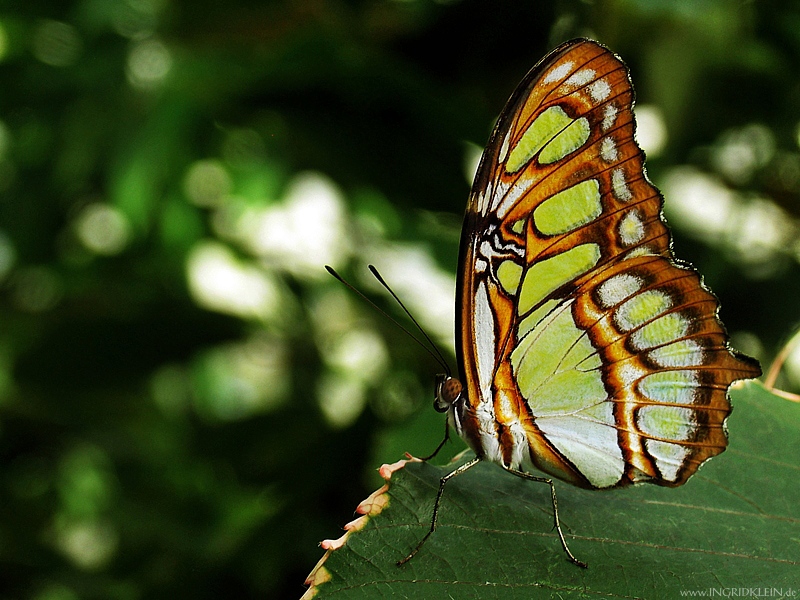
[585, 350]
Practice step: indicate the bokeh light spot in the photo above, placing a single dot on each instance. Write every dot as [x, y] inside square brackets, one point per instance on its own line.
[8, 255]
[5, 139]
[341, 399]
[698, 203]
[103, 229]
[86, 488]
[88, 544]
[399, 396]
[333, 314]
[219, 281]
[85, 481]
[149, 62]
[170, 387]
[243, 147]
[761, 233]
[56, 591]
[3, 41]
[651, 129]
[56, 44]
[36, 289]
[748, 343]
[792, 364]
[472, 160]
[424, 287]
[361, 353]
[303, 233]
[242, 379]
[207, 183]
[740, 152]
[754, 230]
[136, 19]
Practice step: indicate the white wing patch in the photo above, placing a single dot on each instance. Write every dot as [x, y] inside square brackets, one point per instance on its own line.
[608, 149]
[618, 288]
[669, 457]
[599, 90]
[631, 228]
[630, 373]
[484, 343]
[501, 157]
[558, 72]
[609, 116]
[482, 201]
[484, 357]
[499, 192]
[512, 194]
[580, 78]
[621, 189]
[591, 446]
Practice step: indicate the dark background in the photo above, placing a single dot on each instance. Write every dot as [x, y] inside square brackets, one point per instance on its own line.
[188, 402]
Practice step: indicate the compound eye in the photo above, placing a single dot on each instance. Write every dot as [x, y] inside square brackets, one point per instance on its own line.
[448, 390]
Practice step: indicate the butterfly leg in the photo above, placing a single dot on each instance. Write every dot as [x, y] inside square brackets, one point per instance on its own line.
[549, 482]
[441, 444]
[466, 466]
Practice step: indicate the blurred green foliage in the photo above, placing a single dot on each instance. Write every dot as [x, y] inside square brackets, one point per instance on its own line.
[188, 403]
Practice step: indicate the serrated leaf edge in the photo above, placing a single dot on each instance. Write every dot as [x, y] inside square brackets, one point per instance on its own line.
[373, 505]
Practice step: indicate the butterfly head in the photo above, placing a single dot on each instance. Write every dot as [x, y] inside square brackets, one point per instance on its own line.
[448, 392]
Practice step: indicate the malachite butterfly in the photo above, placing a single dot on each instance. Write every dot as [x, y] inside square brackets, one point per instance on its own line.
[585, 350]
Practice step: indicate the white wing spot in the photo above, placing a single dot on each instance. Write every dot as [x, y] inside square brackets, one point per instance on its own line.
[484, 355]
[484, 343]
[484, 199]
[609, 116]
[580, 78]
[641, 251]
[593, 447]
[669, 457]
[480, 201]
[558, 73]
[608, 150]
[504, 148]
[621, 189]
[629, 374]
[631, 228]
[486, 250]
[599, 90]
[617, 288]
[499, 192]
[681, 353]
[519, 189]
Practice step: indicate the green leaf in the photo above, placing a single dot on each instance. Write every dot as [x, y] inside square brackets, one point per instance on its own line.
[734, 525]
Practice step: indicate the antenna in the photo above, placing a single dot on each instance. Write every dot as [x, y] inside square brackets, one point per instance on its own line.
[437, 356]
[378, 276]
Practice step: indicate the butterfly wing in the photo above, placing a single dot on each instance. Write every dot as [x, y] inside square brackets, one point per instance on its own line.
[585, 349]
